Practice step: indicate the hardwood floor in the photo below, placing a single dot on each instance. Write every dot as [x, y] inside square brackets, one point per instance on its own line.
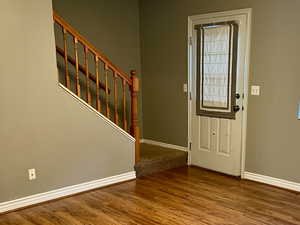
[179, 196]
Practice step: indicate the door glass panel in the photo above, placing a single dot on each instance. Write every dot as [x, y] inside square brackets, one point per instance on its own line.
[215, 64]
[216, 69]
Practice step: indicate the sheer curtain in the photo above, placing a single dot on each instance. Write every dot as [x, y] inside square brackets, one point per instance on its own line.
[215, 66]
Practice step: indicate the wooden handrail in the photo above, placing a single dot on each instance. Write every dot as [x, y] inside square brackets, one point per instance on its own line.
[91, 48]
[61, 52]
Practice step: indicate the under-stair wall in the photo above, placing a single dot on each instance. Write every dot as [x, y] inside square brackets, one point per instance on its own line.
[42, 125]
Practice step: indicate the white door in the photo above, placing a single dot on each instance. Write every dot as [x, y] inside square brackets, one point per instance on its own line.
[217, 85]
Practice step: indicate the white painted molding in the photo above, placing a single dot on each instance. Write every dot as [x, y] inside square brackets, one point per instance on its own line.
[248, 12]
[63, 192]
[272, 181]
[165, 145]
[95, 111]
[221, 14]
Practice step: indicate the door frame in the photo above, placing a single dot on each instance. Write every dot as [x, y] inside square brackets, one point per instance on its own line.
[191, 42]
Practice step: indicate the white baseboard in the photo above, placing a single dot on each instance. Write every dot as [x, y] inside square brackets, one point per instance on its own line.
[272, 181]
[63, 192]
[165, 145]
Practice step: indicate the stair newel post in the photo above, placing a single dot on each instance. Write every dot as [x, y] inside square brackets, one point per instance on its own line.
[135, 130]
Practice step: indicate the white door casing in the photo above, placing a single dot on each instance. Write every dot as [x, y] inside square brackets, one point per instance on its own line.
[219, 144]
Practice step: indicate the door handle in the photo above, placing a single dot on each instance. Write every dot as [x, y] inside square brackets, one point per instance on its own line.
[236, 108]
[237, 96]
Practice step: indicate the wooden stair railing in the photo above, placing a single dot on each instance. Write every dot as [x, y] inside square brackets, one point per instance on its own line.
[81, 68]
[132, 82]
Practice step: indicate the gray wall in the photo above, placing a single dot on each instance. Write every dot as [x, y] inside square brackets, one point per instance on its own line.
[112, 27]
[42, 126]
[273, 141]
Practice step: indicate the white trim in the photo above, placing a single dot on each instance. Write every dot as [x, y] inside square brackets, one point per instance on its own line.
[272, 181]
[191, 21]
[236, 12]
[165, 145]
[63, 192]
[190, 65]
[248, 12]
[109, 122]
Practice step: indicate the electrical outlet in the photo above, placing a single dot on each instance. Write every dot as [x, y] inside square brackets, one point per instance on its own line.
[255, 90]
[299, 111]
[31, 174]
[185, 88]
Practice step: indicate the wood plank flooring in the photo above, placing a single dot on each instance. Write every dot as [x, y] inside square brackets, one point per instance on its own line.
[179, 196]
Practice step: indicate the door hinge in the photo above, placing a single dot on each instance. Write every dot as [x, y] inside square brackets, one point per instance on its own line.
[190, 96]
[190, 146]
[190, 41]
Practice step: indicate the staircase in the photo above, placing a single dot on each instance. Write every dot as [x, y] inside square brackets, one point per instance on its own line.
[89, 75]
[91, 81]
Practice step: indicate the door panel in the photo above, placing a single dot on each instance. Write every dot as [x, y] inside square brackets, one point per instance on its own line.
[205, 131]
[224, 137]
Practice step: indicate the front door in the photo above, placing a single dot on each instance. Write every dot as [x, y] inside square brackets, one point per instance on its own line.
[218, 65]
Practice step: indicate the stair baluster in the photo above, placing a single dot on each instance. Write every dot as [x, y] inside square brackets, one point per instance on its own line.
[88, 92]
[98, 101]
[116, 98]
[68, 83]
[77, 67]
[124, 105]
[106, 92]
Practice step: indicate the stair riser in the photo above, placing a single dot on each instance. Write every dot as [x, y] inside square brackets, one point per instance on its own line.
[147, 169]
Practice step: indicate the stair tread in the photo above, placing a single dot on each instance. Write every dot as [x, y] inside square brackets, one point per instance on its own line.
[151, 153]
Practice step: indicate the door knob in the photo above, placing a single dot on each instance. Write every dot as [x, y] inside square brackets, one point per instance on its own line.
[237, 95]
[236, 108]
